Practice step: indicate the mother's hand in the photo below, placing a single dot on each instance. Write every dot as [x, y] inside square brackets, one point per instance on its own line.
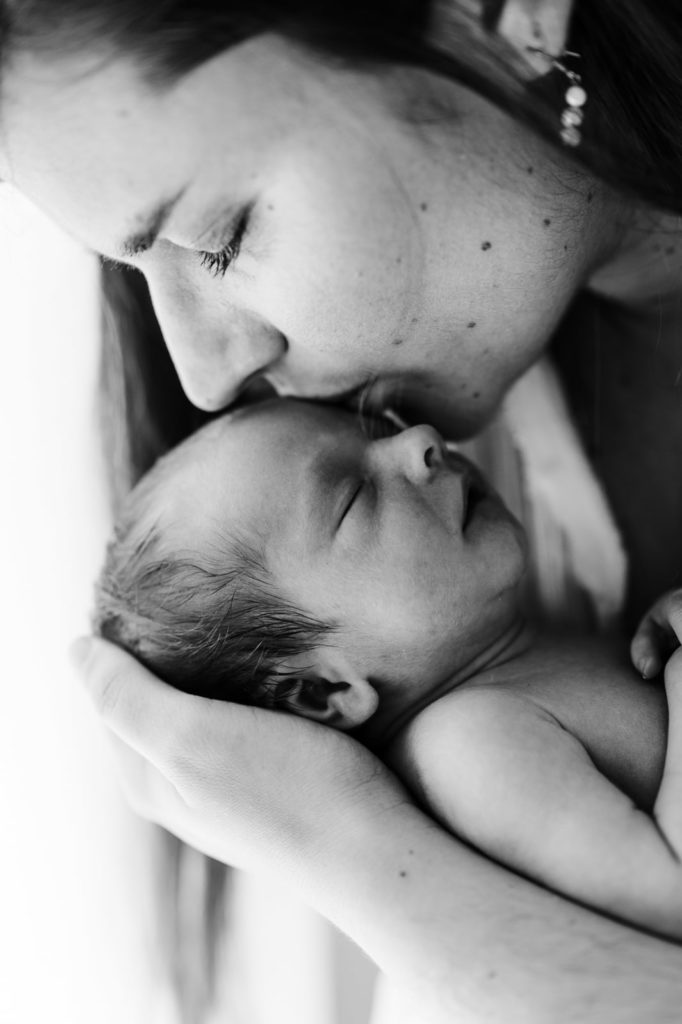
[258, 789]
[463, 938]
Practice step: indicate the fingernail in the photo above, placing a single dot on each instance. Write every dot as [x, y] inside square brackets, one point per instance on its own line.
[647, 668]
[79, 651]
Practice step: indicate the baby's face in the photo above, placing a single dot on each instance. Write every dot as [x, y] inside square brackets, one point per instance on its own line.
[398, 543]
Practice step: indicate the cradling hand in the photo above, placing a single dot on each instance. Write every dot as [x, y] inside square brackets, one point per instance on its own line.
[258, 789]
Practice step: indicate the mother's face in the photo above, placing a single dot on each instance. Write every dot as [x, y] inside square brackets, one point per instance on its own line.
[293, 221]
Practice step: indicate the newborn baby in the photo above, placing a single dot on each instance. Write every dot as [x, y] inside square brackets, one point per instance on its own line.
[282, 557]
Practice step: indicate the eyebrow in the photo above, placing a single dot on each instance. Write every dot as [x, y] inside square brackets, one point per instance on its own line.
[148, 228]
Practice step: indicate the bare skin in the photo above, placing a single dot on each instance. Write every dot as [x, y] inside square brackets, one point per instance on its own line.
[548, 753]
[397, 889]
[468, 940]
[552, 763]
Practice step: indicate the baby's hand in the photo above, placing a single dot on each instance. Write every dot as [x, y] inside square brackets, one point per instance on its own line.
[658, 634]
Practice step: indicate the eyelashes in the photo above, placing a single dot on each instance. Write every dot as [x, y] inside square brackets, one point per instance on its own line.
[355, 495]
[218, 263]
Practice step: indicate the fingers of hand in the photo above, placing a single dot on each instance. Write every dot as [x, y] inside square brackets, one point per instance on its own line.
[153, 797]
[671, 613]
[145, 788]
[645, 649]
[658, 634]
[144, 712]
[193, 741]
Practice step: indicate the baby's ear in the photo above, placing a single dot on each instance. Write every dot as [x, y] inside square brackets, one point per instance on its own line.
[343, 705]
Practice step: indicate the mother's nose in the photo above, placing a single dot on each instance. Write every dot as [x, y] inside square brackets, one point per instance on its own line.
[417, 453]
[216, 360]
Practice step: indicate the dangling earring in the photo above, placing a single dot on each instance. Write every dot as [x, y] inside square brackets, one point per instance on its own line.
[575, 96]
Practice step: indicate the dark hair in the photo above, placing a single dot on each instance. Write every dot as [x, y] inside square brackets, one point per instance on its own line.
[207, 622]
[212, 628]
[630, 51]
[632, 138]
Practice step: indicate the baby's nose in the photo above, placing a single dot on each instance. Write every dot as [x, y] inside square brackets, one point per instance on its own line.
[417, 452]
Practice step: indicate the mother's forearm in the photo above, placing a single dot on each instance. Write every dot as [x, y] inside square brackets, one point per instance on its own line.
[468, 941]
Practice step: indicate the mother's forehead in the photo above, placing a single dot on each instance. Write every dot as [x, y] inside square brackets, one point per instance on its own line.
[86, 140]
[97, 145]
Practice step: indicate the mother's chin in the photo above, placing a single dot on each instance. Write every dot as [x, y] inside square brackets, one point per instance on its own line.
[458, 416]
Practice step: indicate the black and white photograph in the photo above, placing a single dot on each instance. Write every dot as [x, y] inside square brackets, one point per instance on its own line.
[341, 511]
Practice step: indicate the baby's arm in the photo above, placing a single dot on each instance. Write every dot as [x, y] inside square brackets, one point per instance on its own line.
[504, 774]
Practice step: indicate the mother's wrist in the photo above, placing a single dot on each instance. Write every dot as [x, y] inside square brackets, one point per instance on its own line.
[364, 854]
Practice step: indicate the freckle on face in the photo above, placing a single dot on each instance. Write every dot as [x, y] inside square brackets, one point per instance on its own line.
[546, 222]
[472, 323]
[486, 245]
[423, 207]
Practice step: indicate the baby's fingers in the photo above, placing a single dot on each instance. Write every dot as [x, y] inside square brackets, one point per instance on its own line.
[657, 635]
[645, 649]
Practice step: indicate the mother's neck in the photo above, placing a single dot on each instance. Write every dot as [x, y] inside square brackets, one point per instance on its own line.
[646, 266]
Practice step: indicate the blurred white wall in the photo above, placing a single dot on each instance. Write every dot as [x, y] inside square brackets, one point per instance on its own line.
[75, 914]
[72, 859]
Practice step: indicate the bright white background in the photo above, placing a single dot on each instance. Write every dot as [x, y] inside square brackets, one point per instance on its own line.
[75, 916]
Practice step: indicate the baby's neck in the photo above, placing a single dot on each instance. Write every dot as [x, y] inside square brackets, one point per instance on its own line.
[397, 712]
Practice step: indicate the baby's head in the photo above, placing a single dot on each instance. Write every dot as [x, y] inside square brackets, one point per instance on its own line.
[281, 556]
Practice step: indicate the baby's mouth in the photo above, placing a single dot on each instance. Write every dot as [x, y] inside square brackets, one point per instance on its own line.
[472, 495]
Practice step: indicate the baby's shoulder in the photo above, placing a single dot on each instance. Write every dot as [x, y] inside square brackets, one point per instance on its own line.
[466, 721]
[479, 704]
[460, 753]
